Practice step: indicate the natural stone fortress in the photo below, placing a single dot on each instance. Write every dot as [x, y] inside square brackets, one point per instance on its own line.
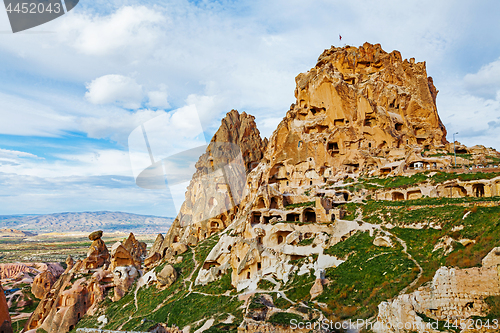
[360, 112]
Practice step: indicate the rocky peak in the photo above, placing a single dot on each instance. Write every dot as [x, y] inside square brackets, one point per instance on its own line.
[211, 199]
[136, 249]
[358, 109]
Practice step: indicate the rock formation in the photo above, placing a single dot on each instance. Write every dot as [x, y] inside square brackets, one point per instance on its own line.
[136, 249]
[4, 313]
[42, 284]
[123, 278]
[13, 270]
[213, 194]
[453, 294]
[156, 248]
[357, 111]
[155, 252]
[69, 263]
[282, 208]
[167, 276]
[98, 254]
[126, 261]
[77, 291]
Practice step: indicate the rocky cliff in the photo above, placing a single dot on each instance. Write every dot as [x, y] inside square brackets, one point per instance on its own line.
[212, 197]
[5, 322]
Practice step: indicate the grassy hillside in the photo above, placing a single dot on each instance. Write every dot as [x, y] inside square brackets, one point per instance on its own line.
[369, 275]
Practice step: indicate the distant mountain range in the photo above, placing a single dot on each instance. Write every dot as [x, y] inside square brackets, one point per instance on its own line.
[87, 222]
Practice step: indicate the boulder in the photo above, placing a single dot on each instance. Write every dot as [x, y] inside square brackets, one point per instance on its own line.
[69, 263]
[42, 283]
[382, 241]
[316, 289]
[95, 235]
[167, 276]
[492, 259]
[179, 248]
[152, 259]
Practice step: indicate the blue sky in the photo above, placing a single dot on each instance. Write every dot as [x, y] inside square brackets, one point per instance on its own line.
[72, 90]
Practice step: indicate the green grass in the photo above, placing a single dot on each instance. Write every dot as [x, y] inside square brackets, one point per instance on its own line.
[300, 204]
[223, 328]
[306, 242]
[298, 287]
[442, 326]
[256, 303]
[494, 304]
[281, 302]
[284, 318]
[404, 212]
[265, 285]
[493, 159]
[204, 247]
[482, 225]
[418, 178]
[370, 275]
[350, 210]
[17, 326]
[219, 286]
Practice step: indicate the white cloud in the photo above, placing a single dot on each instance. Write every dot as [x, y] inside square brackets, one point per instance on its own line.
[95, 162]
[159, 98]
[475, 118]
[101, 35]
[486, 82]
[21, 116]
[267, 126]
[115, 89]
[116, 124]
[14, 157]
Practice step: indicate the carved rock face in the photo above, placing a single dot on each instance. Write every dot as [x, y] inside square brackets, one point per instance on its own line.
[136, 249]
[120, 256]
[97, 255]
[42, 284]
[210, 205]
[123, 278]
[357, 109]
[167, 276]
